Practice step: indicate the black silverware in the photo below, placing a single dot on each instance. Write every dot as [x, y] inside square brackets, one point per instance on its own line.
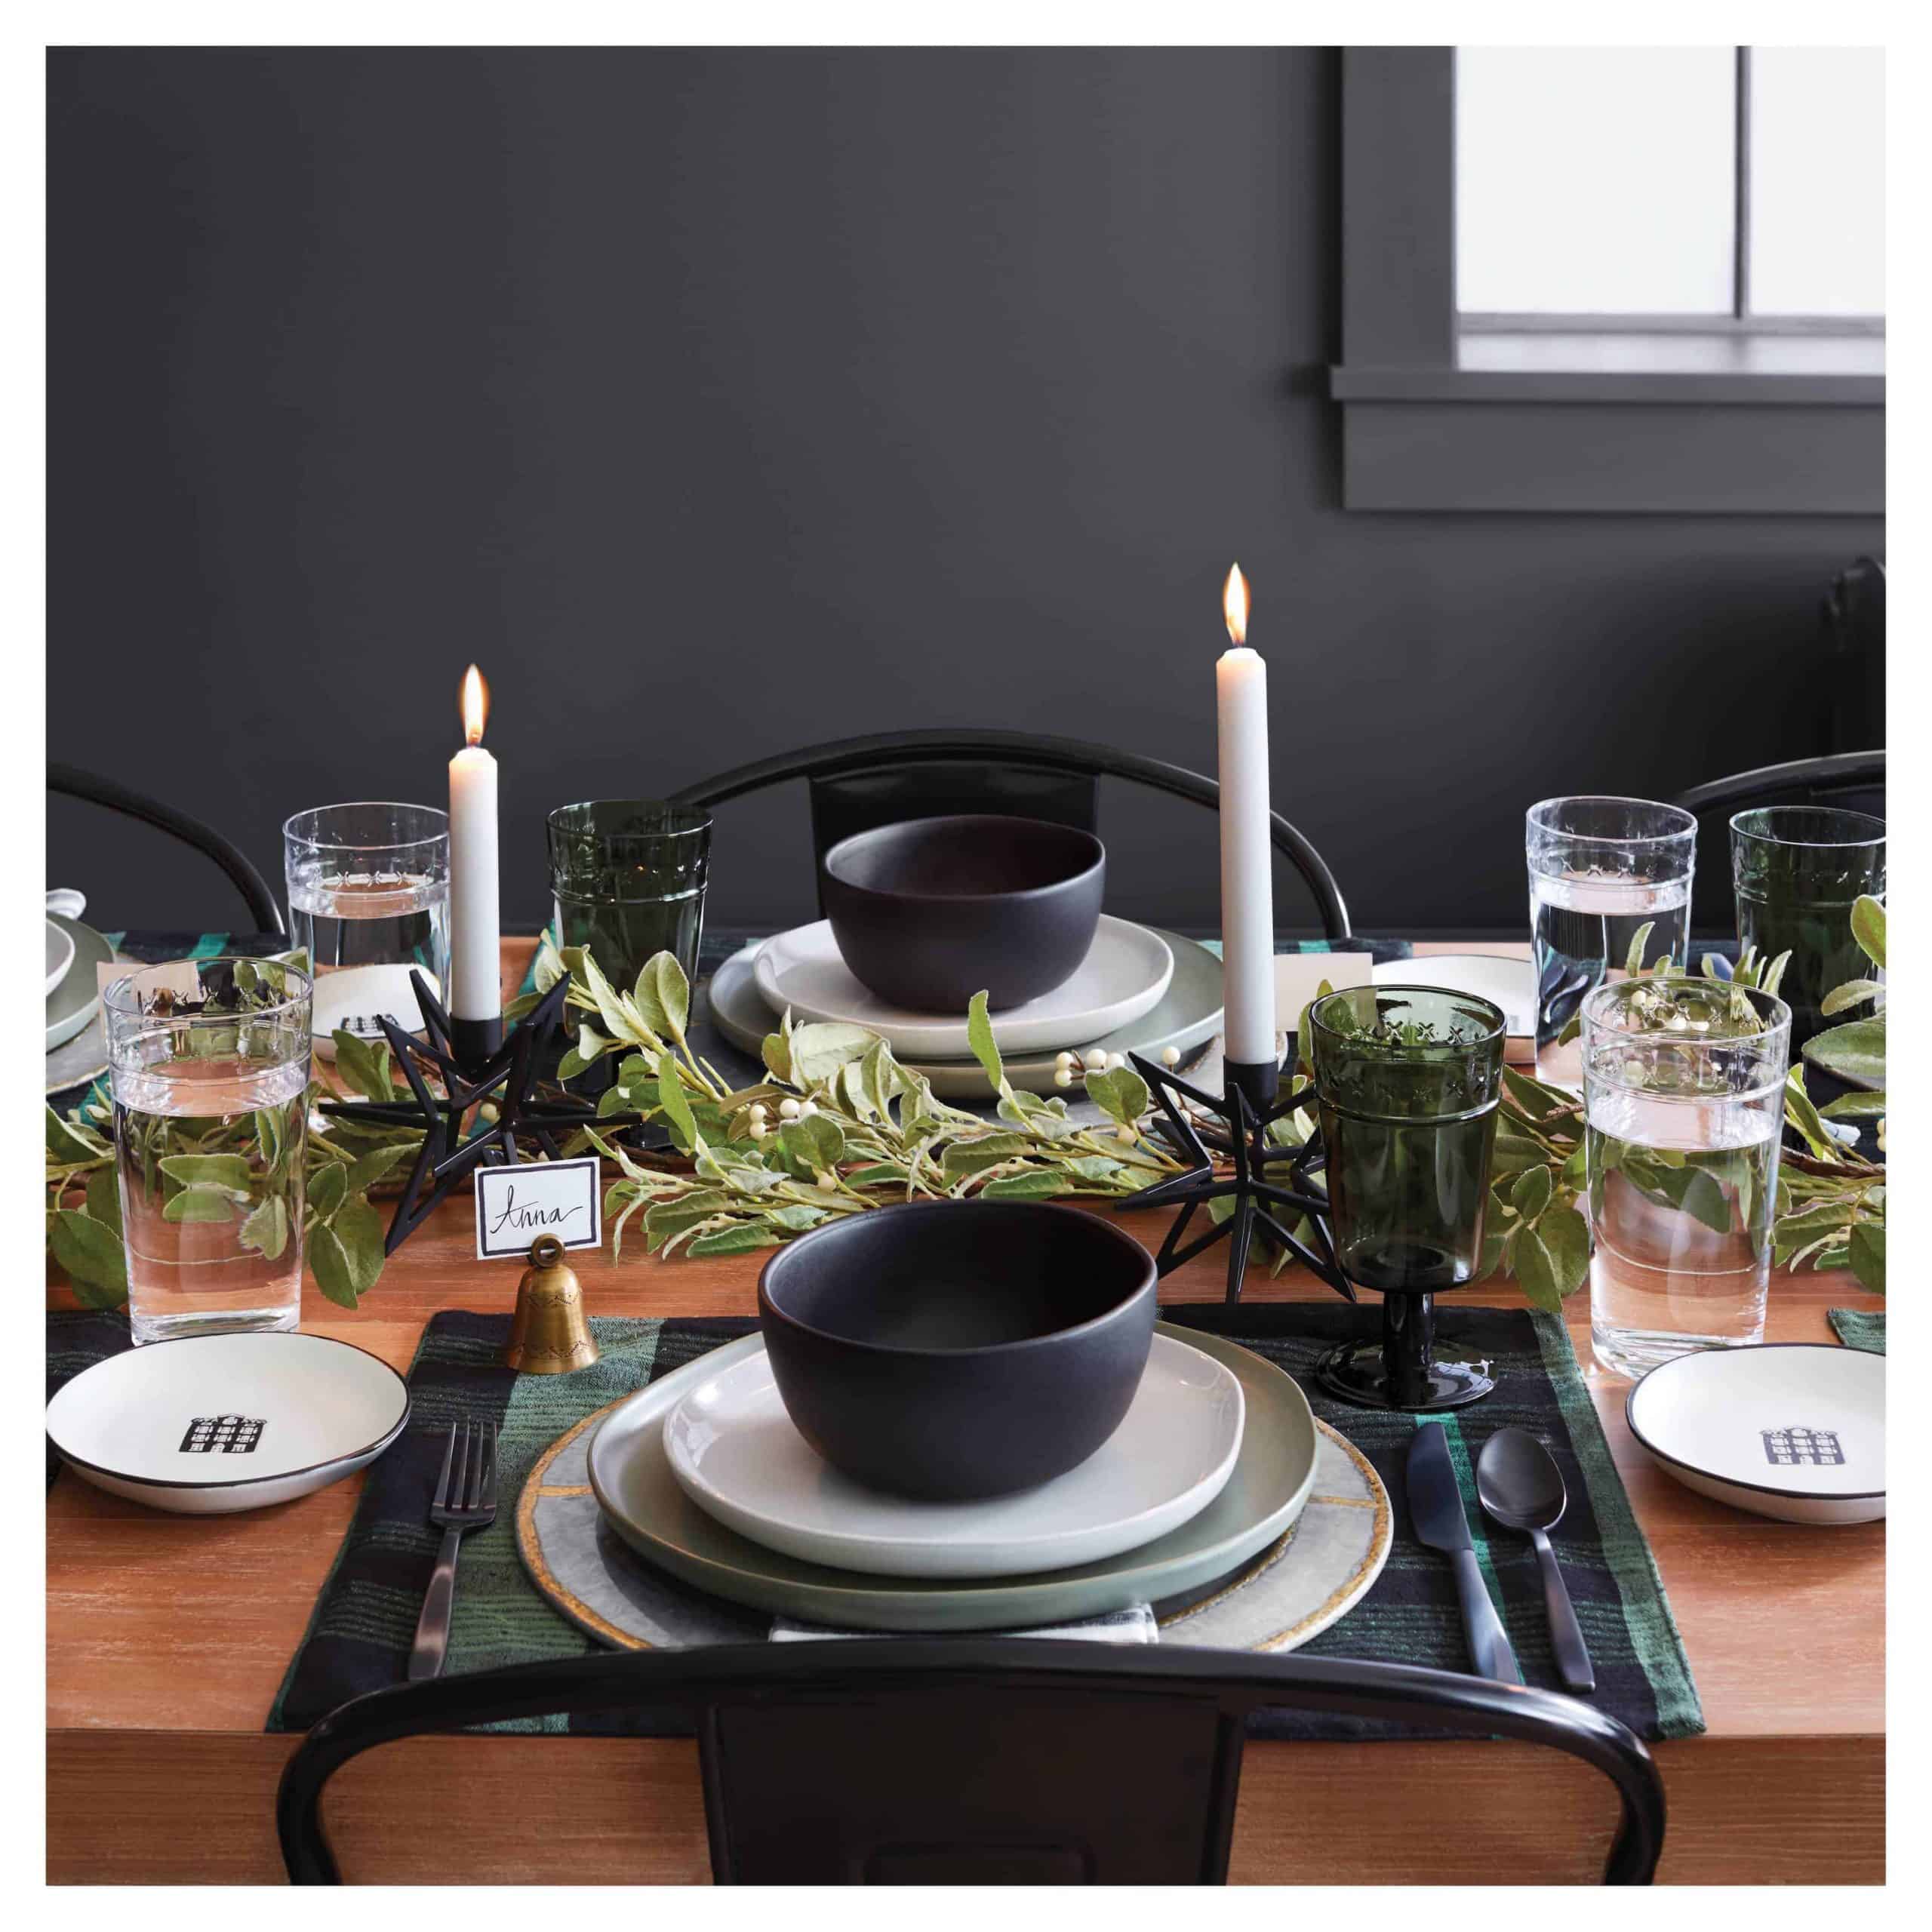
[1436, 1505]
[1520, 1486]
[465, 1499]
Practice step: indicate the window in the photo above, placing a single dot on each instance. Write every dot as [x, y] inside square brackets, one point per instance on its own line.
[1703, 188]
[1628, 279]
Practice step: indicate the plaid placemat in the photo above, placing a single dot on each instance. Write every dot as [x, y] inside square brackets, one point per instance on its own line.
[1858, 1328]
[359, 1636]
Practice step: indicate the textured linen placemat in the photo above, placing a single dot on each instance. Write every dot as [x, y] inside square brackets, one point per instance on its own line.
[1859, 1328]
[359, 1636]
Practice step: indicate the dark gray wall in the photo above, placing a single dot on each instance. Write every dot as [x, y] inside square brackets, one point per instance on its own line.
[719, 403]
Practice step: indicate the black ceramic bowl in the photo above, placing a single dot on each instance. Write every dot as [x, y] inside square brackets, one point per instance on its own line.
[930, 911]
[959, 1348]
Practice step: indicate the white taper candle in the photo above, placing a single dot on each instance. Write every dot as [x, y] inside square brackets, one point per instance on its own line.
[1248, 893]
[475, 921]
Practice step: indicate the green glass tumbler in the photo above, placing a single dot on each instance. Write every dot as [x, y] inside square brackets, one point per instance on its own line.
[1798, 870]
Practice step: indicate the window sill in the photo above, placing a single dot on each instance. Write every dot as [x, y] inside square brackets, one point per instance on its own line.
[1621, 423]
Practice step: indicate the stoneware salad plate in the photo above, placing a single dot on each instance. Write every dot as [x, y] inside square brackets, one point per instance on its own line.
[736, 1454]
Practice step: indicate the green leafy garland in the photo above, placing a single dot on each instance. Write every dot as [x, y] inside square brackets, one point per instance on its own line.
[838, 1126]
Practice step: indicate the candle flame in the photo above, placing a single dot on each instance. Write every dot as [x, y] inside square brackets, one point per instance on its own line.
[475, 706]
[1234, 604]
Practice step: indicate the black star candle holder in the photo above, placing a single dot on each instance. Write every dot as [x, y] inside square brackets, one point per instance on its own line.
[1405, 1368]
[471, 1060]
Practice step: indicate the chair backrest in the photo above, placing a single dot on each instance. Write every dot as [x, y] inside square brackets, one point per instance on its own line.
[1854, 781]
[264, 909]
[895, 1761]
[859, 783]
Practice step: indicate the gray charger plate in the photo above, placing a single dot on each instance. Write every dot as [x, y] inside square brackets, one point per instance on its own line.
[1187, 1016]
[631, 1478]
[1295, 1587]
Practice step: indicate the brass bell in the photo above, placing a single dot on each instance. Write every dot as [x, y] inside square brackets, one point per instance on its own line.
[551, 1333]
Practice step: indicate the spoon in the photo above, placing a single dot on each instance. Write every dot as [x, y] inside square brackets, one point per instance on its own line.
[1521, 1488]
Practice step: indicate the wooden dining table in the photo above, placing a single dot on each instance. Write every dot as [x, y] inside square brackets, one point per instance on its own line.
[167, 1636]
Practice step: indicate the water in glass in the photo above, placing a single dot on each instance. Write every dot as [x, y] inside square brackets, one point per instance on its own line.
[210, 1153]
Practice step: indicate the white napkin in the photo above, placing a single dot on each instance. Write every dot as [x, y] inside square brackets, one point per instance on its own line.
[1134, 1625]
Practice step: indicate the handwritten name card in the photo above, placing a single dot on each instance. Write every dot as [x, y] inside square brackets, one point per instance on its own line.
[514, 1205]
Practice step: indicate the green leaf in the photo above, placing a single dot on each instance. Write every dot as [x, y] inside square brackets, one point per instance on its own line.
[619, 1024]
[879, 1076]
[795, 1216]
[1536, 1272]
[365, 1172]
[817, 1143]
[200, 1203]
[776, 1050]
[1120, 1095]
[548, 967]
[68, 1141]
[1868, 1255]
[92, 1254]
[1037, 1185]
[1536, 1099]
[733, 1241]
[1855, 1107]
[979, 1038]
[1853, 993]
[1633, 961]
[1530, 1195]
[266, 1229]
[962, 1157]
[1693, 1192]
[328, 1262]
[364, 1064]
[1854, 1053]
[104, 1199]
[326, 1190]
[878, 1173]
[677, 1108]
[1565, 1236]
[819, 1051]
[1868, 927]
[358, 1228]
[1802, 1115]
[228, 1172]
[663, 995]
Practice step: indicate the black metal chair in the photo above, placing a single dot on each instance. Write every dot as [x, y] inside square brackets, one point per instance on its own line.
[907, 1761]
[70, 781]
[859, 783]
[1854, 781]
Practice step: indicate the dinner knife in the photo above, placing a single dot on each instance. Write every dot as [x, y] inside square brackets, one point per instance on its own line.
[1435, 1503]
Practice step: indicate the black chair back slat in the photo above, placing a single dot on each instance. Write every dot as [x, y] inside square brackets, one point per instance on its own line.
[264, 909]
[922, 773]
[905, 1760]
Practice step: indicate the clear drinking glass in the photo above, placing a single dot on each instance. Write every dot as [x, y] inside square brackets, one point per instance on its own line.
[369, 902]
[1601, 869]
[627, 876]
[208, 1063]
[1798, 870]
[1682, 1128]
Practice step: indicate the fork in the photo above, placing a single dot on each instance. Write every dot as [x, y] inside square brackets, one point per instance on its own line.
[465, 1499]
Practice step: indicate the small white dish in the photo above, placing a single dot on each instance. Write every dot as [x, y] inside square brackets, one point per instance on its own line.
[1509, 983]
[351, 996]
[1123, 976]
[1793, 1430]
[59, 956]
[735, 1452]
[65, 900]
[211, 1424]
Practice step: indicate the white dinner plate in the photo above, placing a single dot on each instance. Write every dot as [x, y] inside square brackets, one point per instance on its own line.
[210, 1424]
[1795, 1430]
[1124, 975]
[1188, 1016]
[1509, 983]
[736, 1454]
[60, 955]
